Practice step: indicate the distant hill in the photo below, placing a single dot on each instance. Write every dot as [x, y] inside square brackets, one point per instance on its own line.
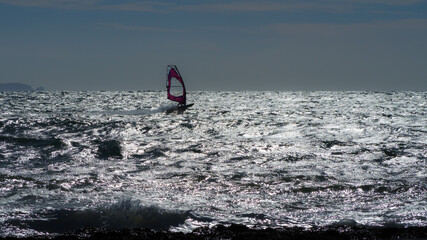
[17, 87]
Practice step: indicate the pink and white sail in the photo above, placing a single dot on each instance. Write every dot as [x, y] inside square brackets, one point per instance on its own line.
[175, 85]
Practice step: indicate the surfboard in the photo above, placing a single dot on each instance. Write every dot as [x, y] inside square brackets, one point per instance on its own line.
[176, 88]
[185, 106]
[179, 108]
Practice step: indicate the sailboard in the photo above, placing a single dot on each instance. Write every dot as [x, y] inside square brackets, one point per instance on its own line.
[176, 88]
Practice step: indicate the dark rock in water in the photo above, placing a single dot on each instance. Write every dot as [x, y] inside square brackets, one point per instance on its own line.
[345, 223]
[14, 87]
[109, 149]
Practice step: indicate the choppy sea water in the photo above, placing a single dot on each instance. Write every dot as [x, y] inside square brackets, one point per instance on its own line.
[262, 159]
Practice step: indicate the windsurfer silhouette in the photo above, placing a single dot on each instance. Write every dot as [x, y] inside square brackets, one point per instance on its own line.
[179, 93]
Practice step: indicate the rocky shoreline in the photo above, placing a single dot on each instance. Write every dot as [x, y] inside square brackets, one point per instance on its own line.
[243, 232]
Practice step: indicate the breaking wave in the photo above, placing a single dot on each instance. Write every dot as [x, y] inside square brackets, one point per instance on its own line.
[126, 213]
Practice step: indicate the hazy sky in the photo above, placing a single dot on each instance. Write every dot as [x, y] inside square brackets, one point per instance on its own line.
[217, 45]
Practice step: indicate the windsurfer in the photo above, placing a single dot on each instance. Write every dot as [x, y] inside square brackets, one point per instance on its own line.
[179, 93]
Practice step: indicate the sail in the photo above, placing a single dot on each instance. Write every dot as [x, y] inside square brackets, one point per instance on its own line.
[175, 85]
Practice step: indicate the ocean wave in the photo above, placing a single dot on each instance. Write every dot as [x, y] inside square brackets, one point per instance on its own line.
[32, 142]
[258, 159]
[125, 214]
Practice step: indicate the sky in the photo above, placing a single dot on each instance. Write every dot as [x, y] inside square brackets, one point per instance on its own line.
[286, 45]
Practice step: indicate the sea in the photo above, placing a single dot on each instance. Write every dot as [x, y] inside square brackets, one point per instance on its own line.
[260, 159]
